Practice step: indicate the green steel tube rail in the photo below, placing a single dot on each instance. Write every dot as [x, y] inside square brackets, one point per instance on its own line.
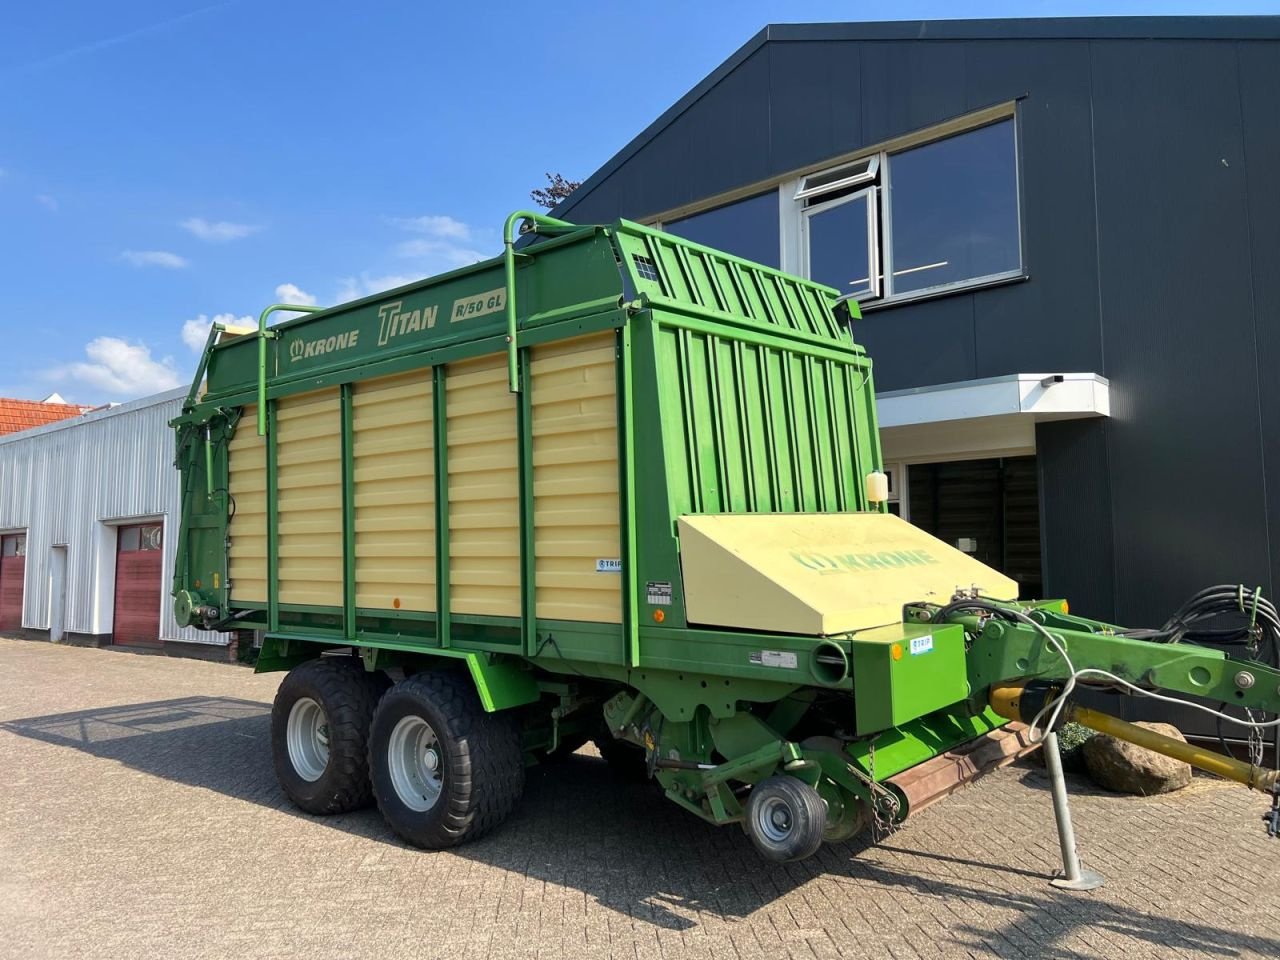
[509, 263]
[263, 335]
[190, 402]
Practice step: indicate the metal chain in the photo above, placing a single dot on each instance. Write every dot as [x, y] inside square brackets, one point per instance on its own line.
[1256, 744]
[885, 804]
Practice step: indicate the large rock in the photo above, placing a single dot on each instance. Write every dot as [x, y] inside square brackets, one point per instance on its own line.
[1126, 768]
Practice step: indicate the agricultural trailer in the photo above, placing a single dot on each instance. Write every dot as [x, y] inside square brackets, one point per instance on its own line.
[614, 486]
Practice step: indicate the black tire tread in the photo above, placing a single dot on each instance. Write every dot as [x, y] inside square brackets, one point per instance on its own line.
[485, 778]
[811, 814]
[349, 696]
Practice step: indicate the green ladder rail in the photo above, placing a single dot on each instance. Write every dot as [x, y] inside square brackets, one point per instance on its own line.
[550, 226]
[263, 336]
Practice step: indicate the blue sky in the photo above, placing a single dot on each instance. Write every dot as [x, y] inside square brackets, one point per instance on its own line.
[164, 162]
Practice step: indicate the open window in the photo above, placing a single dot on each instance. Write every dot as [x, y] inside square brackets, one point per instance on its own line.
[929, 216]
[841, 242]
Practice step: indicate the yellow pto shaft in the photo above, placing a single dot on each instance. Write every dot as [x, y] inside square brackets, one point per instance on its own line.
[1005, 700]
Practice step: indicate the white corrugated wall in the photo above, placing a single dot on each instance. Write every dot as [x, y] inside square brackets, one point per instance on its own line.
[69, 484]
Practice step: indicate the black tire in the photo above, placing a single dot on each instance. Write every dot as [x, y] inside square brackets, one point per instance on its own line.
[785, 818]
[346, 695]
[479, 772]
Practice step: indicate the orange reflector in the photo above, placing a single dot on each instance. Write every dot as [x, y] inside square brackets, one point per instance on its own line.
[1066, 607]
[659, 616]
[396, 603]
[896, 651]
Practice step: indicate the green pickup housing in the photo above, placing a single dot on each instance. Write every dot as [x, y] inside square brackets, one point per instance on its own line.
[907, 671]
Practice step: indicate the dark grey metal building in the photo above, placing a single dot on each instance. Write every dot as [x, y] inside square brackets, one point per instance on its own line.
[1013, 201]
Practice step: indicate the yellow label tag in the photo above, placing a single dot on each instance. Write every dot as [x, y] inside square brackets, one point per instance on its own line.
[215, 581]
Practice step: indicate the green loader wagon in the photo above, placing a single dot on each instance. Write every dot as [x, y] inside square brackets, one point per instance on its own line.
[614, 486]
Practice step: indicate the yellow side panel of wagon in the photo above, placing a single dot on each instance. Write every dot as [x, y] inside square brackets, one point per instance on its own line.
[484, 489]
[394, 453]
[573, 392]
[309, 502]
[247, 531]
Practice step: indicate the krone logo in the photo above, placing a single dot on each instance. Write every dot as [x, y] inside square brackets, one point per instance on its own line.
[300, 349]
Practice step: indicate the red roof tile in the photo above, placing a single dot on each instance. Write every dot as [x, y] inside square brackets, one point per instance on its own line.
[18, 415]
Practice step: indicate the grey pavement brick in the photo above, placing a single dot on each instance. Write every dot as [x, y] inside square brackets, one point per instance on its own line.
[139, 817]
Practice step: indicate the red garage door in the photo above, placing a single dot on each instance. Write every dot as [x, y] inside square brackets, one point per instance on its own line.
[138, 569]
[13, 570]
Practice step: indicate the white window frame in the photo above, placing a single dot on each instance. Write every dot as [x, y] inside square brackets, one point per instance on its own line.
[866, 175]
[870, 194]
[1017, 272]
[792, 191]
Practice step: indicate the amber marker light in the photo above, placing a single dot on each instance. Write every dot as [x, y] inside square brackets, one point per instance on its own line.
[659, 616]
[896, 651]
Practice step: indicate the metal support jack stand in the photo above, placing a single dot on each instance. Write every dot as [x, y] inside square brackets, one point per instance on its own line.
[1072, 876]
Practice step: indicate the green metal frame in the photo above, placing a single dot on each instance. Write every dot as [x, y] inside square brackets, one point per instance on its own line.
[263, 336]
[539, 222]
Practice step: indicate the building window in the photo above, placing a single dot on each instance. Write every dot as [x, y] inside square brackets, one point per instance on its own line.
[14, 546]
[747, 228]
[841, 246]
[147, 536]
[928, 217]
[953, 210]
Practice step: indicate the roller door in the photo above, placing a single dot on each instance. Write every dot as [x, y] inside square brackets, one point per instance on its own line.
[13, 569]
[990, 509]
[139, 557]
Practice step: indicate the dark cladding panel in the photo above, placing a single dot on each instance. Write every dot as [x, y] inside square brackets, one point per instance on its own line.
[815, 101]
[1075, 511]
[1259, 89]
[909, 86]
[1184, 444]
[920, 343]
[728, 133]
[1051, 322]
[616, 196]
[665, 168]
[747, 228]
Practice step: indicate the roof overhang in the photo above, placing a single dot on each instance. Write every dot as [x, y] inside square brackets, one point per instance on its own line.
[991, 417]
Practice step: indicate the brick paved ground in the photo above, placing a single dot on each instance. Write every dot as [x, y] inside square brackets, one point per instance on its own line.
[139, 817]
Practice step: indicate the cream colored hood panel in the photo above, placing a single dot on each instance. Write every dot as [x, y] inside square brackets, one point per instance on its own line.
[819, 573]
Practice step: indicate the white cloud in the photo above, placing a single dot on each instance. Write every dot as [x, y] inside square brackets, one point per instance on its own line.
[439, 252]
[218, 231]
[154, 258]
[119, 370]
[444, 244]
[292, 293]
[48, 202]
[436, 226]
[366, 285]
[195, 332]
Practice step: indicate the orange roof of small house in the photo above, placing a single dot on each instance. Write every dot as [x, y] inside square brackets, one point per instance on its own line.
[18, 415]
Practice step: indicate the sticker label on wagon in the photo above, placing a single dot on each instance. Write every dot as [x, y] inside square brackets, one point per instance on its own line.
[774, 658]
[658, 593]
[608, 566]
[921, 645]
